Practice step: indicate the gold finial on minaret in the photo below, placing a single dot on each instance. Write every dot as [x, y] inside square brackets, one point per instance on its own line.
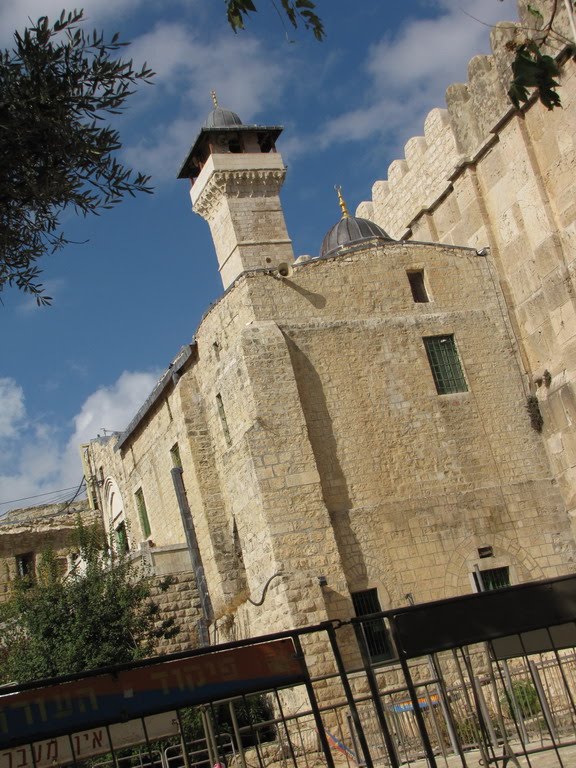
[341, 202]
[214, 99]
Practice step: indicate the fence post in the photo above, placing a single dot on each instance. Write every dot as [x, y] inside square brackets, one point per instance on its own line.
[314, 704]
[543, 700]
[516, 711]
[349, 696]
[413, 695]
[237, 734]
[443, 697]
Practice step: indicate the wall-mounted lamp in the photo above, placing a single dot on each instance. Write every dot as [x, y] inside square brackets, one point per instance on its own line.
[322, 581]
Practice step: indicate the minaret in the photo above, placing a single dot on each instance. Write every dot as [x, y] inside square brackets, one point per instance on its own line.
[236, 176]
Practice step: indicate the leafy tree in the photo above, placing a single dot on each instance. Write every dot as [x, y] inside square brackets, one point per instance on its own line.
[57, 86]
[101, 614]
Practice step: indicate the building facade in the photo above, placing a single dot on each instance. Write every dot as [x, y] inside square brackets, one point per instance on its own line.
[358, 430]
[25, 534]
[484, 174]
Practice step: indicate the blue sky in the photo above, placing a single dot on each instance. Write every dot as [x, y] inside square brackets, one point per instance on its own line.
[132, 292]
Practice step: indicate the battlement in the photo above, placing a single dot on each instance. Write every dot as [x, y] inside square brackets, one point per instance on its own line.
[454, 135]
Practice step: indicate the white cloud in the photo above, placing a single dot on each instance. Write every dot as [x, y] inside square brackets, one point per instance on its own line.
[430, 51]
[162, 153]
[407, 72]
[41, 458]
[12, 409]
[237, 67]
[111, 408]
[18, 14]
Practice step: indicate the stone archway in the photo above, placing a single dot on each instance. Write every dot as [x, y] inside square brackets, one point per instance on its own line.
[506, 551]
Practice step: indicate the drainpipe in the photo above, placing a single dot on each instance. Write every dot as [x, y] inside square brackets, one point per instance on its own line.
[195, 557]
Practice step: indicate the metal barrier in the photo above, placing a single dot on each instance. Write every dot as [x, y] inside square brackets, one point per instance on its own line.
[488, 678]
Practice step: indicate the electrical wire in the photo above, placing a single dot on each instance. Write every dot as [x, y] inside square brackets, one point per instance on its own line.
[68, 503]
[38, 495]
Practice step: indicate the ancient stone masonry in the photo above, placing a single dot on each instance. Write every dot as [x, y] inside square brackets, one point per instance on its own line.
[353, 429]
[26, 533]
[371, 480]
[485, 175]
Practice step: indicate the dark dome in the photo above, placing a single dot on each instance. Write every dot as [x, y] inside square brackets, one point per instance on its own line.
[222, 118]
[349, 231]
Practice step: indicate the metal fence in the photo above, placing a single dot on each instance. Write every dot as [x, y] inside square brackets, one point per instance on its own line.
[488, 678]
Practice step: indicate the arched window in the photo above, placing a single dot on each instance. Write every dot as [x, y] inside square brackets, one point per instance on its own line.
[115, 514]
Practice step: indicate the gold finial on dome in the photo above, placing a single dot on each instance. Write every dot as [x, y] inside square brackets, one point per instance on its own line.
[214, 99]
[341, 202]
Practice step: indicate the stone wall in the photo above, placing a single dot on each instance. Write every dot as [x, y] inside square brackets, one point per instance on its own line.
[314, 442]
[318, 457]
[33, 531]
[180, 601]
[485, 175]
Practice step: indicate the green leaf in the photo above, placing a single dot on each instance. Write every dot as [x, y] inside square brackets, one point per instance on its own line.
[533, 69]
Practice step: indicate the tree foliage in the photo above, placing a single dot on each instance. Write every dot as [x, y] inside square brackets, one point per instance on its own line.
[101, 614]
[250, 711]
[57, 86]
[532, 68]
[297, 11]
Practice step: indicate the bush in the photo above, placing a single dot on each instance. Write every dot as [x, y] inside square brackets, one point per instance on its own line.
[252, 710]
[526, 698]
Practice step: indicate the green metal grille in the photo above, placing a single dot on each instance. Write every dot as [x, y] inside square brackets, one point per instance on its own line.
[445, 364]
[143, 513]
[494, 578]
[122, 538]
[372, 631]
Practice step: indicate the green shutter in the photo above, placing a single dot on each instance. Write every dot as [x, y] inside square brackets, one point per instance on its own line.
[142, 513]
[445, 364]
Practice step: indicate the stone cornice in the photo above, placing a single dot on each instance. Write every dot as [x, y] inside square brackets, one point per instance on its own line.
[241, 183]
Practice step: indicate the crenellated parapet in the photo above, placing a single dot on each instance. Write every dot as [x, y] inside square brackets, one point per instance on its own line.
[418, 179]
[457, 134]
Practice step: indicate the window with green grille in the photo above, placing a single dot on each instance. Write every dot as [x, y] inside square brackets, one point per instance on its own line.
[492, 578]
[372, 632]
[142, 513]
[445, 364]
[122, 537]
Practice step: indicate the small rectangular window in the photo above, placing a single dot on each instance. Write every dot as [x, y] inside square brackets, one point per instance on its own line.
[485, 552]
[492, 578]
[142, 512]
[372, 631]
[445, 364]
[418, 286]
[175, 456]
[25, 565]
[223, 419]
